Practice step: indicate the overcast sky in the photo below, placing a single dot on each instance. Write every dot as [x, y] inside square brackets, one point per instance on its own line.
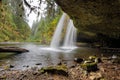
[33, 15]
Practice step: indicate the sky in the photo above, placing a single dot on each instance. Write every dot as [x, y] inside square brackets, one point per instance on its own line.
[33, 17]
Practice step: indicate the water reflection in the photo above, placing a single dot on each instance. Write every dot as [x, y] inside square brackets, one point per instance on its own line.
[41, 54]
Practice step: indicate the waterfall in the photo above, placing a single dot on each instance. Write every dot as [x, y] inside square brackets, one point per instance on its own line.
[70, 37]
[57, 35]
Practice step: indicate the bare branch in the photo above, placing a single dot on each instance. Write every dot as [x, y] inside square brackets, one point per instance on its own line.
[27, 4]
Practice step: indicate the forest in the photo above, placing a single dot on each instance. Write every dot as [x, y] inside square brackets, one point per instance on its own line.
[59, 39]
[14, 26]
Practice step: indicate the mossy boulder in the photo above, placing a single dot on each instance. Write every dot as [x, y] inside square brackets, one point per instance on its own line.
[60, 69]
[89, 66]
[95, 59]
[92, 58]
[91, 63]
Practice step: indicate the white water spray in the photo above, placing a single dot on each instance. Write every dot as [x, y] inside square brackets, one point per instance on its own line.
[57, 35]
[70, 36]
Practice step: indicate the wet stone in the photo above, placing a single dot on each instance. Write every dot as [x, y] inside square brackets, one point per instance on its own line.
[78, 60]
[11, 66]
[38, 64]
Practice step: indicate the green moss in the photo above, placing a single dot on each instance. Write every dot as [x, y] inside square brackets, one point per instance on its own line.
[91, 63]
[92, 58]
[60, 67]
[3, 55]
[45, 30]
[10, 29]
[89, 66]
[61, 70]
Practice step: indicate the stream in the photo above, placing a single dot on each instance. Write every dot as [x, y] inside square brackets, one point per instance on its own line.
[42, 55]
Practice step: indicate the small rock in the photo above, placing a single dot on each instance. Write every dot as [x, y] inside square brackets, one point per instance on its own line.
[98, 60]
[73, 66]
[26, 66]
[11, 66]
[35, 73]
[34, 68]
[102, 69]
[38, 64]
[92, 57]
[73, 73]
[60, 63]
[114, 57]
[78, 60]
[92, 77]
[65, 63]
[85, 73]
[95, 76]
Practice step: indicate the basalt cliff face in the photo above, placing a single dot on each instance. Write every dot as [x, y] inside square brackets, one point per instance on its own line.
[94, 17]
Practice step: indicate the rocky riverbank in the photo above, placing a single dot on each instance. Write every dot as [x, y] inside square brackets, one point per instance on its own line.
[107, 69]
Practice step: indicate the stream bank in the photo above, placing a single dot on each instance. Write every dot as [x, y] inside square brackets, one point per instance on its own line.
[107, 70]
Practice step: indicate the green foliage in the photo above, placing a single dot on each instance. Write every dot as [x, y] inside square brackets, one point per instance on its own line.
[12, 27]
[60, 69]
[45, 30]
[3, 55]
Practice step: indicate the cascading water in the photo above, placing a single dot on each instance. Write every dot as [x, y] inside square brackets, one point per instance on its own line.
[32, 17]
[70, 37]
[57, 35]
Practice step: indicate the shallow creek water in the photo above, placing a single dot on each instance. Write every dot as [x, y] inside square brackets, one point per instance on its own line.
[45, 56]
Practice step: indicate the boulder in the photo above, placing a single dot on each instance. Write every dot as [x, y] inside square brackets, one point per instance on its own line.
[60, 70]
[89, 66]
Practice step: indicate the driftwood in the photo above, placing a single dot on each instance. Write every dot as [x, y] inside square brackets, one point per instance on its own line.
[13, 49]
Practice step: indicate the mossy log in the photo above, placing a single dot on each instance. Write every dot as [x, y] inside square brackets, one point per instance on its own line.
[13, 49]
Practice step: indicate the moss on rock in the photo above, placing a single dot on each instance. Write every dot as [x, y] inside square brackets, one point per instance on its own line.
[61, 70]
[94, 16]
[89, 66]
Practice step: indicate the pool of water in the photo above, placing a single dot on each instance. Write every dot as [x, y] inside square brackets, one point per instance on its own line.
[45, 55]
